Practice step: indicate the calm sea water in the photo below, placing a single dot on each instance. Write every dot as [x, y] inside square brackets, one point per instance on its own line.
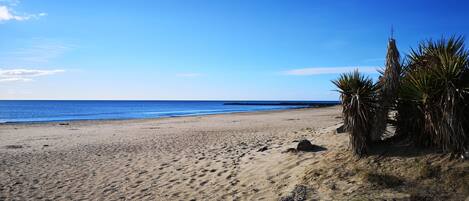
[46, 111]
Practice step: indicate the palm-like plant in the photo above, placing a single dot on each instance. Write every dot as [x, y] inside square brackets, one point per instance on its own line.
[358, 102]
[414, 118]
[387, 92]
[434, 95]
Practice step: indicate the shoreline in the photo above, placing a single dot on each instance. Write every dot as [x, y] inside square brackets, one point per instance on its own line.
[210, 157]
[155, 118]
[236, 156]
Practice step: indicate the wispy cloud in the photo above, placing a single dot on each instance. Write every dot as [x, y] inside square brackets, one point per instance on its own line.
[25, 75]
[330, 70]
[189, 74]
[35, 51]
[8, 14]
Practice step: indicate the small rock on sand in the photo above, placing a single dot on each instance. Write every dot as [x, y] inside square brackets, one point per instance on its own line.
[305, 145]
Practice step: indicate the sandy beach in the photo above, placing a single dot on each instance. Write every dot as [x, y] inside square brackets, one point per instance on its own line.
[215, 157]
[212, 157]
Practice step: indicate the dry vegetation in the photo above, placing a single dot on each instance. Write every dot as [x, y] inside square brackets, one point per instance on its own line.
[393, 175]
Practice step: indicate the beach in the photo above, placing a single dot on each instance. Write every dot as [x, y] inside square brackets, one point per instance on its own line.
[239, 156]
[213, 157]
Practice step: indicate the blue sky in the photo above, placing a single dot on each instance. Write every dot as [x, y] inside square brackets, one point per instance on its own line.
[196, 49]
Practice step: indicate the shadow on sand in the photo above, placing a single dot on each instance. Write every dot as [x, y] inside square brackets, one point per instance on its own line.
[403, 148]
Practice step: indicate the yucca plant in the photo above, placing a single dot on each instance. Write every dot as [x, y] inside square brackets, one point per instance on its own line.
[434, 95]
[358, 102]
[387, 90]
[416, 97]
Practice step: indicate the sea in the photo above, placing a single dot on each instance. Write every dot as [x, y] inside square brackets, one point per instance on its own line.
[24, 111]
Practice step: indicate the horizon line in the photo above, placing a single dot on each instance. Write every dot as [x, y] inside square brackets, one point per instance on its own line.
[155, 100]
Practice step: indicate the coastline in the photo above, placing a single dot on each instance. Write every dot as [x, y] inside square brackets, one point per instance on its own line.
[155, 118]
[237, 156]
[208, 157]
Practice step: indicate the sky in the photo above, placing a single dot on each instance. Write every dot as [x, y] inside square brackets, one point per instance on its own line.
[206, 49]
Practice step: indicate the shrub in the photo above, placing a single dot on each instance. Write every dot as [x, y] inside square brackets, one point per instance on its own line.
[358, 103]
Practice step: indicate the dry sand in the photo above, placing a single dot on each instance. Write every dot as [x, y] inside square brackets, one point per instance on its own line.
[213, 157]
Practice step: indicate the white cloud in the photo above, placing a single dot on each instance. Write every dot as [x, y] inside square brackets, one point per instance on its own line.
[7, 14]
[189, 74]
[330, 70]
[25, 75]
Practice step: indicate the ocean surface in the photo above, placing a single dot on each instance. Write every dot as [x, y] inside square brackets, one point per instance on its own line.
[16, 111]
